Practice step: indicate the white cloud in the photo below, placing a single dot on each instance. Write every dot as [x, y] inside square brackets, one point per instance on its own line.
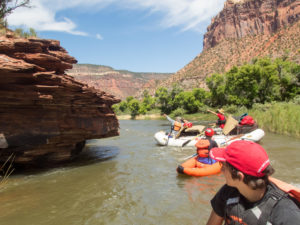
[98, 36]
[42, 18]
[185, 14]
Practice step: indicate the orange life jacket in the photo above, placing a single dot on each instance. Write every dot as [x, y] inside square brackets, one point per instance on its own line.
[202, 147]
[287, 188]
[177, 126]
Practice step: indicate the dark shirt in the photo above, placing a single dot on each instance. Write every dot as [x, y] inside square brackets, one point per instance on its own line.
[285, 212]
[213, 144]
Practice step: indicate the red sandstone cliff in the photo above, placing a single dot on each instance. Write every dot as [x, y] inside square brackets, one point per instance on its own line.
[45, 115]
[241, 18]
[243, 30]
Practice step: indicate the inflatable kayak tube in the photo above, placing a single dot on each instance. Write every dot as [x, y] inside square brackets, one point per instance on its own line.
[194, 168]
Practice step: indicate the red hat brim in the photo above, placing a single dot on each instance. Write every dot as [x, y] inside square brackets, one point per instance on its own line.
[218, 154]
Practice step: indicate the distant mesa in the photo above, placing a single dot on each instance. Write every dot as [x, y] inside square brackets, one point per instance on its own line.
[121, 83]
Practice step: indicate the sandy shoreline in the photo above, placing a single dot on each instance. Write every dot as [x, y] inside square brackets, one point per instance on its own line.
[140, 117]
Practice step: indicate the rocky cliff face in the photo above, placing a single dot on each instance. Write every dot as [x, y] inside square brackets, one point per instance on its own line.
[45, 115]
[241, 18]
[233, 39]
[118, 82]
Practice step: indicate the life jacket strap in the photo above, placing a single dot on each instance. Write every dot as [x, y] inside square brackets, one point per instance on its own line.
[274, 198]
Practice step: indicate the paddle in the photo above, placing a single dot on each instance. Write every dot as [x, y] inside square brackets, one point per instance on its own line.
[169, 134]
[230, 124]
[188, 157]
[188, 141]
[235, 137]
[179, 132]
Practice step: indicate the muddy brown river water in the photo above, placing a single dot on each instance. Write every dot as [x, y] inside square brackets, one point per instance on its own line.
[127, 180]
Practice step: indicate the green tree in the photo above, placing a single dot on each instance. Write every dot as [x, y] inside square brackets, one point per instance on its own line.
[289, 76]
[123, 106]
[201, 95]
[164, 99]
[179, 100]
[8, 6]
[148, 101]
[190, 103]
[242, 85]
[134, 107]
[262, 81]
[269, 83]
[176, 89]
[187, 101]
[216, 85]
[129, 98]
[116, 108]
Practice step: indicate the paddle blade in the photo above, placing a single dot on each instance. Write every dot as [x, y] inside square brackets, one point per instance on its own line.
[230, 124]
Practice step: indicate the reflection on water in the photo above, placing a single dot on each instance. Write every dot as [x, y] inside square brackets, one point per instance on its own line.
[126, 180]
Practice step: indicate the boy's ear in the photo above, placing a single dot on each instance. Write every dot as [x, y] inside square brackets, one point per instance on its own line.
[241, 176]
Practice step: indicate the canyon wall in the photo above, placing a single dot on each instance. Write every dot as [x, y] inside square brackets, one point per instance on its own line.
[45, 115]
[242, 31]
[250, 17]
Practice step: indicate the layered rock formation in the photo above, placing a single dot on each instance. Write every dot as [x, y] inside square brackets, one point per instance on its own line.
[120, 83]
[46, 115]
[250, 17]
[243, 30]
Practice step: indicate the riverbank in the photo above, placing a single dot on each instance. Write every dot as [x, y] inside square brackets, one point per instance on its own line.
[154, 116]
[280, 118]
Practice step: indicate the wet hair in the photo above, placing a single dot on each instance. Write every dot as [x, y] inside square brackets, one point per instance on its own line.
[252, 181]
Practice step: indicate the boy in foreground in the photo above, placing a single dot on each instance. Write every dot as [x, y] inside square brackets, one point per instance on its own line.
[248, 197]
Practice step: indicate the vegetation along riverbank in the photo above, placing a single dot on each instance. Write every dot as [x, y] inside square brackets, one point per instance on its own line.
[266, 89]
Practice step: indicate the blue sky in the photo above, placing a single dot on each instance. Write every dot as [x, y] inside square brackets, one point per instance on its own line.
[135, 35]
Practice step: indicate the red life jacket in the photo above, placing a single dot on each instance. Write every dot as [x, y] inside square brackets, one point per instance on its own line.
[188, 124]
[222, 120]
[247, 120]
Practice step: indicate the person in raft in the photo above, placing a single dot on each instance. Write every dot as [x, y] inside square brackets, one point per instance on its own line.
[202, 151]
[248, 197]
[178, 125]
[203, 147]
[221, 117]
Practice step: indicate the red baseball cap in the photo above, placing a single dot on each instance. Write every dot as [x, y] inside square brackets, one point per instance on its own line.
[246, 156]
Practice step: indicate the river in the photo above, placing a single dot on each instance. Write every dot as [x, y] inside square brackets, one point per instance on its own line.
[127, 180]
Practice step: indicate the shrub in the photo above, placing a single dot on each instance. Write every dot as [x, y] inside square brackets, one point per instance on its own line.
[178, 112]
[296, 100]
